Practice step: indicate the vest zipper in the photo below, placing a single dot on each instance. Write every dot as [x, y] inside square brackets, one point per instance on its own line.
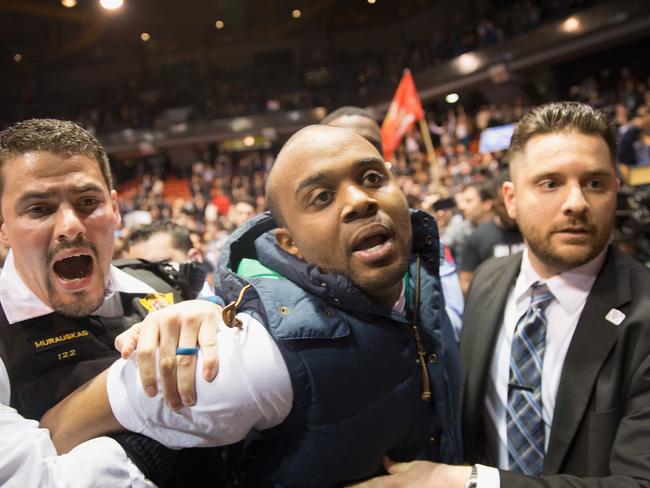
[421, 351]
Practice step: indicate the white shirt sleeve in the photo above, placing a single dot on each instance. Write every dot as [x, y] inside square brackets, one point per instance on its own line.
[487, 477]
[29, 459]
[251, 391]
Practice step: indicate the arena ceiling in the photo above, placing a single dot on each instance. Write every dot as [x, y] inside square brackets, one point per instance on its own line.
[41, 32]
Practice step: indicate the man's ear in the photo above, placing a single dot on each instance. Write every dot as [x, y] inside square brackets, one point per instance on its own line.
[117, 217]
[4, 240]
[509, 198]
[285, 240]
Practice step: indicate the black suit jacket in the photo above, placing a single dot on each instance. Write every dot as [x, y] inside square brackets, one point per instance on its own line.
[600, 434]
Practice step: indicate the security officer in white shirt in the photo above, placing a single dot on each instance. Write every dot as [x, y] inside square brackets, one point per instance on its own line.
[62, 305]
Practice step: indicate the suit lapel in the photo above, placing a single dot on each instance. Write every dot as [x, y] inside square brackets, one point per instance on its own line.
[480, 329]
[594, 337]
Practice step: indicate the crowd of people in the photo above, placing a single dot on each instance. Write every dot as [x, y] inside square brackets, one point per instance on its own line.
[217, 93]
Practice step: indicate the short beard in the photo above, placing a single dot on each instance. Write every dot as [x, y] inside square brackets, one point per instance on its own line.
[79, 308]
[541, 247]
[377, 286]
[385, 280]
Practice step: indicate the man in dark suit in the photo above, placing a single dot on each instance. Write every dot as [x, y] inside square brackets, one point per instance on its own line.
[556, 340]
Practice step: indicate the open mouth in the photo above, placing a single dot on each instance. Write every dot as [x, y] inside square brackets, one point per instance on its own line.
[74, 267]
[373, 247]
[371, 243]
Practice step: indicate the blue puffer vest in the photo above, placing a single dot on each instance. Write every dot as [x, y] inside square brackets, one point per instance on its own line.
[353, 365]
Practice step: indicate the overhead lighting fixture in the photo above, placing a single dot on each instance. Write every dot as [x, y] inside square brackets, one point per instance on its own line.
[69, 3]
[111, 4]
[296, 13]
[372, 1]
[18, 57]
[452, 98]
[145, 36]
[219, 24]
[249, 141]
[571, 24]
[468, 62]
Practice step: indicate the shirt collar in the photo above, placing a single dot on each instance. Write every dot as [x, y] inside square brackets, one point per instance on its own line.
[569, 288]
[20, 303]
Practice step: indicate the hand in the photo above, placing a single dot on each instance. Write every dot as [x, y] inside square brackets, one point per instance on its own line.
[183, 324]
[424, 474]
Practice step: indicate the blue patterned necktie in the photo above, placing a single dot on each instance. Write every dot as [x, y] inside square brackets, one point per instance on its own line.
[524, 415]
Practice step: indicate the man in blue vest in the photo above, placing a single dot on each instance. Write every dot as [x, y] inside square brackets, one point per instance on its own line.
[338, 349]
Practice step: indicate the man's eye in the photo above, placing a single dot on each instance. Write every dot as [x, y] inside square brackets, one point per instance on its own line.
[89, 202]
[595, 185]
[322, 198]
[37, 210]
[373, 177]
[548, 184]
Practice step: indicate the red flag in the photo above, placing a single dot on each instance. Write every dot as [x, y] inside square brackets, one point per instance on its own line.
[404, 110]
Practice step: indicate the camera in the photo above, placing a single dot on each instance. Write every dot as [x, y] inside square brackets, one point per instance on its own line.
[632, 223]
[632, 212]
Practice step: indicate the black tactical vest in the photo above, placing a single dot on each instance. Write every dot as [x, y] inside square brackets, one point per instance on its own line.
[48, 357]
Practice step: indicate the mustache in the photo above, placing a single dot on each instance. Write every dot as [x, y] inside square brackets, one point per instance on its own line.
[580, 222]
[77, 243]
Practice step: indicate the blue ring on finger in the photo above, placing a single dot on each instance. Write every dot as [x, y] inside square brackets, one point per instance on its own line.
[186, 351]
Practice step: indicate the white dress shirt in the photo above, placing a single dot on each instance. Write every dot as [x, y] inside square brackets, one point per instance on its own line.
[570, 291]
[28, 457]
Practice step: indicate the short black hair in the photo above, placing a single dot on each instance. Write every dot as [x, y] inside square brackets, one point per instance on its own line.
[180, 236]
[562, 116]
[485, 189]
[57, 136]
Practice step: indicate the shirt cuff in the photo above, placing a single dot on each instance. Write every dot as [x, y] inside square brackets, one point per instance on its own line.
[487, 477]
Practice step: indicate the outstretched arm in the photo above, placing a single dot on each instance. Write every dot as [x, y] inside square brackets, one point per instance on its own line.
[252, 390]
[84, 414]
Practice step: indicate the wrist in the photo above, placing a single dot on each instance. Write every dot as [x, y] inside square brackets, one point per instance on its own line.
[453, 476]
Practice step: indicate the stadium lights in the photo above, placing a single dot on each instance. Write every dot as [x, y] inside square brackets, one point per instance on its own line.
[69, 3]
[111, 4]
[18, 57]
[468, 62]
[219, 24]
[145, 36]
[371, 2]
[571, 24]
[452, 98]
[296, 13]
[249, 141]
